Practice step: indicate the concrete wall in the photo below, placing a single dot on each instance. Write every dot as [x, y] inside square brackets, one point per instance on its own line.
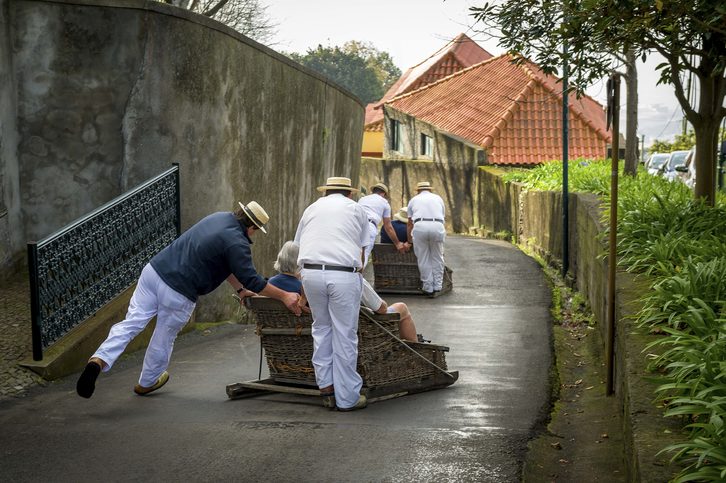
[498, 203]
[11, 234]
[457, 186]
[110, 93]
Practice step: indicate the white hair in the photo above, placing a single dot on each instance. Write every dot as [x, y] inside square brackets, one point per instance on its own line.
[287, 258]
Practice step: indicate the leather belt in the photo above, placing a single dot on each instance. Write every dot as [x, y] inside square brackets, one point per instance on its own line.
[373, 222]
[428, 219]
[337, 268]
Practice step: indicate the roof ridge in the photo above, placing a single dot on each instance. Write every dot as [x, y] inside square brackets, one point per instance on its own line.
[575, 108]
[444, 79]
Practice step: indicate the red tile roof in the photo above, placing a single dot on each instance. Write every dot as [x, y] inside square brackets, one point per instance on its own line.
[456, 55]
[513, 110]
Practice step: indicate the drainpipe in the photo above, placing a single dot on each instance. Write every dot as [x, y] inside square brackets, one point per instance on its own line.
[614, 114]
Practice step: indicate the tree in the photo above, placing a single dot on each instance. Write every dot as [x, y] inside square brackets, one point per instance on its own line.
[537, 29]
[381, 62]
[691, 36]
[357, 66]
[248, 17]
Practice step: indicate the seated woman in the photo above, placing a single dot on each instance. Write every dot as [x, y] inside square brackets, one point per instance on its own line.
[288, 276]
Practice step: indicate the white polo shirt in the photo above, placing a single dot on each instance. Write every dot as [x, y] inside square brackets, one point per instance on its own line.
[377, 208]
[426, 205]
[332, 231]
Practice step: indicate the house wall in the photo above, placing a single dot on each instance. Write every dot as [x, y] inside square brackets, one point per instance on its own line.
[373, 143]
[452, 169]
[109, 93]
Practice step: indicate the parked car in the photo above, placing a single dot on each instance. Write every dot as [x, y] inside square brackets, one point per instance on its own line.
[687, 170]
[656, 163]
[677, 158]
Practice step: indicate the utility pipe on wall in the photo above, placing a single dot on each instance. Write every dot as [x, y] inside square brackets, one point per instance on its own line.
[614, 116]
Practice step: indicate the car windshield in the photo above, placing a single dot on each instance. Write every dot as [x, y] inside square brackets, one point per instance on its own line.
[658, 160]
[678, 157]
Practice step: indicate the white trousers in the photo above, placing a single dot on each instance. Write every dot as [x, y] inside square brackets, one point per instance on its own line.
[334, 299]
[372, 234]
[428, 245]
[151, 297]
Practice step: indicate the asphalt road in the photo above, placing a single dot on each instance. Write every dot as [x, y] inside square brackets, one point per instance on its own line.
[496, 322]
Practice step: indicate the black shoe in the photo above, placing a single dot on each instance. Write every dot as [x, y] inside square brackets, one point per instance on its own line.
[87, 382]
[420, 338]
[428, 294]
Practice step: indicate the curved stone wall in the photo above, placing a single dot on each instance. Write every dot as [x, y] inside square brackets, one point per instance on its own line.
[110, 93]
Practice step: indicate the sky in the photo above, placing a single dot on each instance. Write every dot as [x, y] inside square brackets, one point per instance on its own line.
[412, 30]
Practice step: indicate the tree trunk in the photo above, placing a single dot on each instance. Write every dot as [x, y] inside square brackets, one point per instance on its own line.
[706, 142]
[631, 116]
[710, 112]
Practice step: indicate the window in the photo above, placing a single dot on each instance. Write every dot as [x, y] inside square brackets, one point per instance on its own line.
[427, 145]
[395, 135]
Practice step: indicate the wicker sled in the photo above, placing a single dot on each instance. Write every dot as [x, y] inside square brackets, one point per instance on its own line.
[398, 272]
[388, 366]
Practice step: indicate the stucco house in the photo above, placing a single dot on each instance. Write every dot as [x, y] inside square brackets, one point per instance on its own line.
[502, 111]
[456, 55]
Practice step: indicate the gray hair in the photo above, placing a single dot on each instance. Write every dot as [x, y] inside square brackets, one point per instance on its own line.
[287, 258]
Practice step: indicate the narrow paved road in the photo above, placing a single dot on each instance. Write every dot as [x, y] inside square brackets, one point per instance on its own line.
[496, 322]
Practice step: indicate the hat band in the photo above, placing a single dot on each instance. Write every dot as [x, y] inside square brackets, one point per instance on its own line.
[252, 216]
[338, 186]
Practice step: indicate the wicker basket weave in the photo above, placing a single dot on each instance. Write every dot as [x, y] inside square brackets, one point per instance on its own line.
[398, 272]
[382, 360]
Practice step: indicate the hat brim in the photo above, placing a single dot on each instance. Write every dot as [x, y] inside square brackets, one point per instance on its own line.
[344, 188]
[252, 217]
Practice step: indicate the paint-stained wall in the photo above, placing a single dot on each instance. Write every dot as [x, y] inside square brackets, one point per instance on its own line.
[110, 93]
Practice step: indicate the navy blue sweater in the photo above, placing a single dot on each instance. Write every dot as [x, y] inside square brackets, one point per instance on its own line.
[206, 254]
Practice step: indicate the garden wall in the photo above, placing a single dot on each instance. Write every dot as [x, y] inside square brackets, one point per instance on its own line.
[100, 95]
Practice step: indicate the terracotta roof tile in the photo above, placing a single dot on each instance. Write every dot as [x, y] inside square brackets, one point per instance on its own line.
[458, 54]
[513, 110]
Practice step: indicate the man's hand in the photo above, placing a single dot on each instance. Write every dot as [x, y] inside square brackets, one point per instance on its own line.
[401, 247]
[291, 302]
[243, 294]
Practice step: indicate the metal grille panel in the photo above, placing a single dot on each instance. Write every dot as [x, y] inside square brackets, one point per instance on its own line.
[83, 266]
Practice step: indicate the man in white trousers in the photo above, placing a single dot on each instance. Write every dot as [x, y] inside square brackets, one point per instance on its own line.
[331, 235]
[427, 231]
[214, 249]
[378, 209]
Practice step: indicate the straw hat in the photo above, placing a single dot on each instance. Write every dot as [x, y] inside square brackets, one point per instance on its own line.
[423, 185]
[256, 214]
[402, 215]
[381, 187]
[337, 183]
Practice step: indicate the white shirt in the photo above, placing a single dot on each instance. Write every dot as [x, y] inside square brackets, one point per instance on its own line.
[376, 206]
[332, 231]
[426, 205]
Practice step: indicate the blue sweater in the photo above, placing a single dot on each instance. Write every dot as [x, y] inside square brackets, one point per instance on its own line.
[401, 232]
[206, 254]
[286, 282]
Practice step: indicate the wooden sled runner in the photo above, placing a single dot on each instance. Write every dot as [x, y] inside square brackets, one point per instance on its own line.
[398, 273]
[389, 368]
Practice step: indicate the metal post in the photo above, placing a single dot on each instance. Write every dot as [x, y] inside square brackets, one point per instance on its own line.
[34, 302]
[612, 255]
[565, 160]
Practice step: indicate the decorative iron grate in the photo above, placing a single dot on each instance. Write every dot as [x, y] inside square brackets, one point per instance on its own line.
[86, 264]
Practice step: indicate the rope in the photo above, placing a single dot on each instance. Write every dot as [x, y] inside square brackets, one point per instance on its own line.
[365, 313]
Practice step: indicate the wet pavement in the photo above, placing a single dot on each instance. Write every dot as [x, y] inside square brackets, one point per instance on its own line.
[496, 322]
